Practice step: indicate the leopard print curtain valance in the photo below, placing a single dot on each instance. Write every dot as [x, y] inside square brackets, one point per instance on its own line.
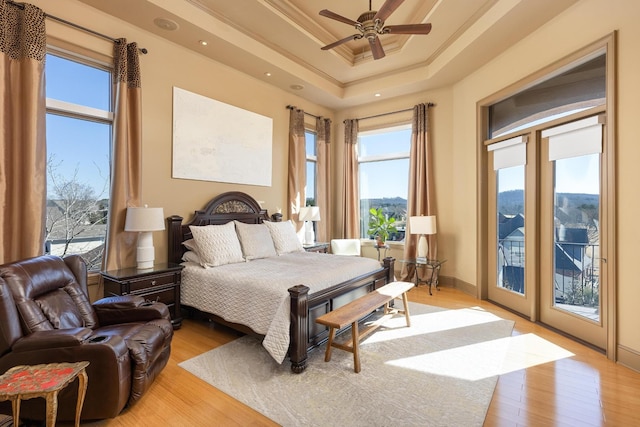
[22, 31]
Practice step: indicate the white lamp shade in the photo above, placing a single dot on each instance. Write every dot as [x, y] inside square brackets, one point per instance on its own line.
[309, 213]
[422, 224]
[144, 219]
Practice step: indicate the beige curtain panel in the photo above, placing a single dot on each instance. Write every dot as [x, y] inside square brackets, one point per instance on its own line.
[126, 158]
[23, 160]
[323, 178]
[351, 197]
[421, 198]
[297, 165]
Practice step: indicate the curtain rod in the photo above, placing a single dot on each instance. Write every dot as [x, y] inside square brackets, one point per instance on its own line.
[293, 107]
[429, 104]
[79, 27]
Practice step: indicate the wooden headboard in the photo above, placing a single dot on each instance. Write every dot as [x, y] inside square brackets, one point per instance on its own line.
[226, 207]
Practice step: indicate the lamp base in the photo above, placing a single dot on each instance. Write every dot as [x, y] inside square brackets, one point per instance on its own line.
[309, 234]
[145, 255]
[423, 247]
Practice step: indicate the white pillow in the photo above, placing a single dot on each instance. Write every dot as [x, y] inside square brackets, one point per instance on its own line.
[255, 240]
[217, 244]
[190, 244]
[284, 237]
[191, 256]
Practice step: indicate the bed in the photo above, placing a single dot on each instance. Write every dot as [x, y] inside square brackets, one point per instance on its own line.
[298, 288]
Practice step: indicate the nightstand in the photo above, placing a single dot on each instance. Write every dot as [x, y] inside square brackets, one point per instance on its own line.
[322, 247]
[160, 283]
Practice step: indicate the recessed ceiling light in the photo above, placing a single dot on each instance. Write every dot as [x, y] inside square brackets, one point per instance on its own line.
[166, 24]
[268, 74]
[203, 42]
[377, 94]
[296, 87]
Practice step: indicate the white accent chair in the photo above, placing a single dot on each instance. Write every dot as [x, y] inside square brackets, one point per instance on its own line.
[349, 247]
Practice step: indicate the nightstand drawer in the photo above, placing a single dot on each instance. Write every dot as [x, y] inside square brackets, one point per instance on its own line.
[166, 295]
[136, 286]
[160, 283]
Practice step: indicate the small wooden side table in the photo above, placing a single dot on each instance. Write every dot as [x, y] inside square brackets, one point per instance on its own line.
[28, 382]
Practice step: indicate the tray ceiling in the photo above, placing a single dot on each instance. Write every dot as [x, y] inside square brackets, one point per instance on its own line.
[283, 38]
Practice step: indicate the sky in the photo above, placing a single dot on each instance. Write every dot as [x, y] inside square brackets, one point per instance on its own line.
[385, 178]
[580, 175]
[78, 146]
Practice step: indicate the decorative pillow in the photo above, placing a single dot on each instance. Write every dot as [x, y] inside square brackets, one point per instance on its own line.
[217, 244]
[284, 237]
[255, 240]
[190, 244]
[191, 256]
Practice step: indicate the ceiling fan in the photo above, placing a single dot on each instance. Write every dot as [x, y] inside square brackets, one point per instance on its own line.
[370, 24]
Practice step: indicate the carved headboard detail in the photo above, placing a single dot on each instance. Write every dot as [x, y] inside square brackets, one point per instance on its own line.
[226, 207]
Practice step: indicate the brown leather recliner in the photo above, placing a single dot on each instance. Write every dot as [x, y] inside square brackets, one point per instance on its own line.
[46, 317]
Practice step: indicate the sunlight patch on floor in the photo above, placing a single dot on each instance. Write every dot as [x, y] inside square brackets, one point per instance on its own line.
[487, 358]
[439, 321]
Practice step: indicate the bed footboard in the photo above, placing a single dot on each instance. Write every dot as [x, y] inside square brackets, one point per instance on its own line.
[299, 327]
[306, 308]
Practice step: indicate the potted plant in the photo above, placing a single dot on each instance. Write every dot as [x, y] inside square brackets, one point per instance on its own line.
[380, 226]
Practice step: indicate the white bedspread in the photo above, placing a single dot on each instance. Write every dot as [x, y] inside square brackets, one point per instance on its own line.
[255, 293]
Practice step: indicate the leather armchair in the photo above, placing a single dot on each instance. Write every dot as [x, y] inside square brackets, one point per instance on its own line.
[46, 317]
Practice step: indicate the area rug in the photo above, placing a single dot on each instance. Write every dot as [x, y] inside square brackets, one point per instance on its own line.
[441, 371]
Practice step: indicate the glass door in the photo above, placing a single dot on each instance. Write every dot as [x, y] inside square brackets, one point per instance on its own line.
[508, 276]
[573, 288]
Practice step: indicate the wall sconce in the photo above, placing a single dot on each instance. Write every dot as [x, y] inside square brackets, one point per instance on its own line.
[422, 225]
[309, 214]
[144, 221]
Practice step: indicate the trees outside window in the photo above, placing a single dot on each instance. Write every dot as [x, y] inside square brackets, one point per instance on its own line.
[79, 125]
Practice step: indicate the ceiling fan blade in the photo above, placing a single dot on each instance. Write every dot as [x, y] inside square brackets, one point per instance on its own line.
[328, 14]
[376, 48]
[408, 29]
[387, 9]
[339, 42]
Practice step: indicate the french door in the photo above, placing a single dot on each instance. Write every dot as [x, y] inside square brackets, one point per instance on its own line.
[548, 228]
[573, 226]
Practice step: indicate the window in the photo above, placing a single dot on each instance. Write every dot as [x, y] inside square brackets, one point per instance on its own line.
[312, 162]
[383, 168]
[79, 121]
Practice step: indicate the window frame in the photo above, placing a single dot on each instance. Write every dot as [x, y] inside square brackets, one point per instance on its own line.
[54, 106]
[377, 158]
[311, 158]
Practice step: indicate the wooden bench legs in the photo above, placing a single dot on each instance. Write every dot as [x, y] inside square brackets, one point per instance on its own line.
[357, 335]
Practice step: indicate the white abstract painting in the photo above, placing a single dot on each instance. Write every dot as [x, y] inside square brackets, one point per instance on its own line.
[214, 141]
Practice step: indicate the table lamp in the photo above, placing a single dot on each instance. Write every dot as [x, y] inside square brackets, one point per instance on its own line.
[309, 214]
[422, 225]
[144, 221]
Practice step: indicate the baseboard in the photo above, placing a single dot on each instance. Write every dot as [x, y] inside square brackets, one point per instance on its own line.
[458, 284]
[628, 357]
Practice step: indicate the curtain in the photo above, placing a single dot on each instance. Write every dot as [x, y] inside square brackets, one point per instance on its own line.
[297, 165]
[351, 198]
[126, 157]
[323, 181]
[23, 155]
[421, 198]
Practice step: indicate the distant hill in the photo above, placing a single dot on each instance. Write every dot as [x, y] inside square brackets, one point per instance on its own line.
[512, 202]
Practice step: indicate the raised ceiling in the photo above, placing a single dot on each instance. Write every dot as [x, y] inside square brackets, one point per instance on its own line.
[283, 38]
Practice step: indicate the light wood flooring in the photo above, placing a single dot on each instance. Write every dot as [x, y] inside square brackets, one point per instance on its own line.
[583, 390]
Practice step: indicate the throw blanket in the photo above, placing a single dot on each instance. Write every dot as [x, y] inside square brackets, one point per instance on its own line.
[255, 293]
